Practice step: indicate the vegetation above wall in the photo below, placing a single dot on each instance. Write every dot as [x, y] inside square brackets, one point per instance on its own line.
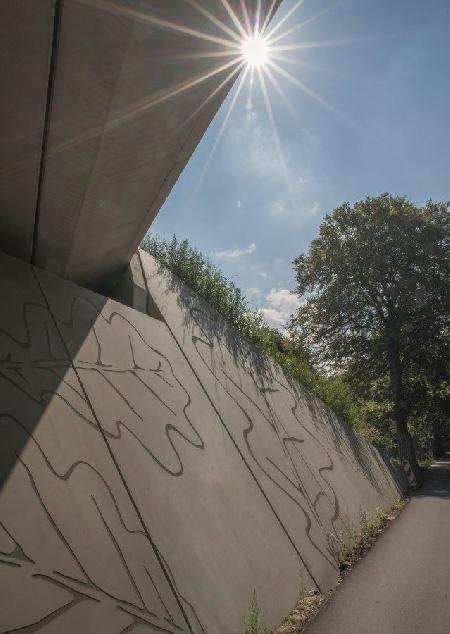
[376, 282]
[287, 348]
[371, 339]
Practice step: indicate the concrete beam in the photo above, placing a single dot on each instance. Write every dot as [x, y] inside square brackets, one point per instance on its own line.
[26, 30]
[129, 94]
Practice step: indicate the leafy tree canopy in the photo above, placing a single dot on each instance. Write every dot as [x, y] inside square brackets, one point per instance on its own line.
[376, 287]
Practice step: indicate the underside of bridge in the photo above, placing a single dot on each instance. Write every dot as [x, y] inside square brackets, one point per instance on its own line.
[158, 473]
[103, 103]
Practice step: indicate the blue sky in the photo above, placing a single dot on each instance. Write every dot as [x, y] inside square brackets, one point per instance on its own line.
[388, 129]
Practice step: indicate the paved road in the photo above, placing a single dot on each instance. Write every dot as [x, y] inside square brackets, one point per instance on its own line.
[402, 586]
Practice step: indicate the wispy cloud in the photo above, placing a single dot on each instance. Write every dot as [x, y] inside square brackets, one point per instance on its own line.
[254, 293]
[289, 185]
[315, 208]
[280, 304]
[234, 254]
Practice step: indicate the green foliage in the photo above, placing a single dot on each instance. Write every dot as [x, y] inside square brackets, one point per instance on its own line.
[376, 283]
[371, 527]
[399, 505]
[366, 533]
[359, 390]
[253, 621]
[208, 281]
[426, 463]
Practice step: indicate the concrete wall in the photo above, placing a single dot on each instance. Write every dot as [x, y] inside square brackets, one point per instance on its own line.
[315, 472]
[154, 474]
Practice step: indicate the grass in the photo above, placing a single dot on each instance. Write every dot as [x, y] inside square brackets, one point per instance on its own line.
[208, 281]
[363, 538]
[367, 533]
[253, 622]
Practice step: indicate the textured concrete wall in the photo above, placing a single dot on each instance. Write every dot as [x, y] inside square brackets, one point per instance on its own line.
[153, 475]
[315, 473]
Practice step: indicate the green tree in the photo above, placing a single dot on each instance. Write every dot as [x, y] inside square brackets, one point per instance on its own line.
[376, 287]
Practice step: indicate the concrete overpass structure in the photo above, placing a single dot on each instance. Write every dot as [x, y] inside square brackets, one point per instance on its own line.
[157, 472]
[103, 102]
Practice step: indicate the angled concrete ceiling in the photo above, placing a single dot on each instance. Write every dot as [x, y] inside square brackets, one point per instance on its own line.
[103, 103]
[25, 50]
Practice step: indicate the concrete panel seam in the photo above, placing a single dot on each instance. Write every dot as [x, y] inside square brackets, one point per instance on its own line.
[48, 108]
[111, 454]
[284, 529]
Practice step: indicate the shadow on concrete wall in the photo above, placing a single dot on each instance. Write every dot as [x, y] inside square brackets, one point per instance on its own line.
[74, 552]
[35, 367]
[215, 332]
[86, 388]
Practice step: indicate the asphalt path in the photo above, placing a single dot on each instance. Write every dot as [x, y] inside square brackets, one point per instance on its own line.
[402, 586]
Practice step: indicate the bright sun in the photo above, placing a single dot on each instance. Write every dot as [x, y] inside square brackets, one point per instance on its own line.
[255, 51]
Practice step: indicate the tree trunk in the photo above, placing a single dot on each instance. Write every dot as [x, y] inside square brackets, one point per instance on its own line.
[405, 445]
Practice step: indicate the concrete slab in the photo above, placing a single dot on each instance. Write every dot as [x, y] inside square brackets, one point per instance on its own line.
[136, 85]
[74, 554]
[208, 517]
[103, 103]
[316, 474]
[25, 45]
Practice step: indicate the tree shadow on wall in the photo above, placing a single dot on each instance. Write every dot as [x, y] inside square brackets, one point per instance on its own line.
[229, 351]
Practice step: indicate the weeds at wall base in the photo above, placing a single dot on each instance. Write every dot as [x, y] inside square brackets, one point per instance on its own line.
[253, 622]
[365, 537]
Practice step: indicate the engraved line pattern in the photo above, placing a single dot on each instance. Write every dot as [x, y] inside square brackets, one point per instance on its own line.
[33, 367]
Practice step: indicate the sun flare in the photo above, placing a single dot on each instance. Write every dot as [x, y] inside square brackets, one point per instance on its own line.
[250, 46]
[255, 51]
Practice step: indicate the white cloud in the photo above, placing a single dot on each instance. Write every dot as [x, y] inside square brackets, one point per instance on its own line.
[263, 274]
[315, 208]
[276, 208]
[273, 317]
[254, 152]
[280, 304]
[234, 254]
[253, 292]
[289, 184]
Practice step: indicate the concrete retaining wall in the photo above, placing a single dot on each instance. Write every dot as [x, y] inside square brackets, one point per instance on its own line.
[155, 473]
